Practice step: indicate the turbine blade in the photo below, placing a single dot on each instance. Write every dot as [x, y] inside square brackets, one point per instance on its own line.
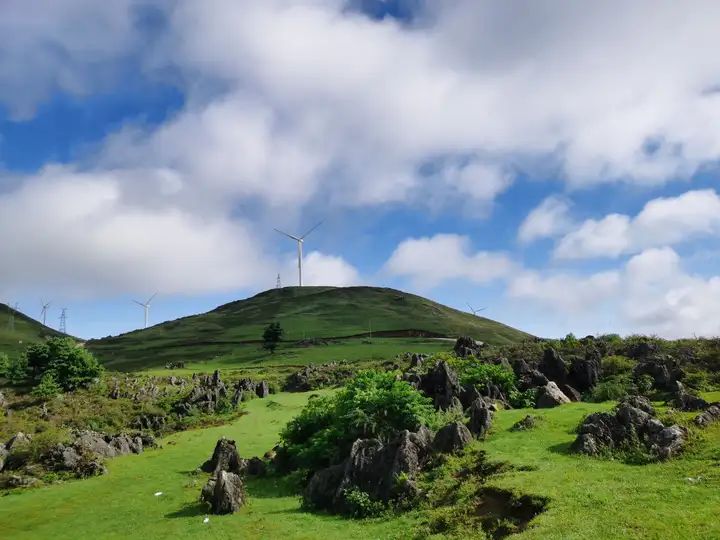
[139, 303]
[288, 235]
[150, 299]
[311, 230]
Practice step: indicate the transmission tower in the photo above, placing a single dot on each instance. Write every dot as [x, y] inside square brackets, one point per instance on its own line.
[63, 321]
[278, 285]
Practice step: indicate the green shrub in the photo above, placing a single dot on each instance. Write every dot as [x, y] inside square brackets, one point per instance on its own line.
[71, 366]
[17, 371]
[699, 380]
[360, 505]
[4, 364]
[616, 365]
[373, 404]
[48, 387]
[612, 389]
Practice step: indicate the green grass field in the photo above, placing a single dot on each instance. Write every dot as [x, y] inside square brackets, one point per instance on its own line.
[589, 498]
[307, 312]
[23, 332]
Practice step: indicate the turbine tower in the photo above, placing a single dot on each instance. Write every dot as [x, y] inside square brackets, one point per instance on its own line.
[43, 313]
[475, 311]
[299, 240]
[146, 307]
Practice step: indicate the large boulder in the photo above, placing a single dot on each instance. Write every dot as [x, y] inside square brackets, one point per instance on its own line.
[452, 438]
[550, 396]
[704, 419]
[664, 372]
[62, 458]
[553, 366]
[570, 392]
[480, 418]
[372, 467]
[628, 426]
[466, 346]
[441, 385]
[584, 372]
[685, 401]
[224, 493]
[262, 390]
[205, 396]
[225, 457]
[527, 376]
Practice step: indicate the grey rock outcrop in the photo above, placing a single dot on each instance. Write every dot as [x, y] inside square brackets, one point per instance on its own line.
[441, 385]
[224, 493]
[225, 457]
[627, 426]
[570, 392]
[466, 346]
[452, 438]
[685, 401]
[664, 372]
[705, 418]
[550, 396]
[256, 467]
[527, 423]
[480, 418]
[553, 366]
[585, 372]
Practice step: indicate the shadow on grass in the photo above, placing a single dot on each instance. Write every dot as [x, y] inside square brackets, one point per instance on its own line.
[562, 448]
[271, 487]
[190, 510]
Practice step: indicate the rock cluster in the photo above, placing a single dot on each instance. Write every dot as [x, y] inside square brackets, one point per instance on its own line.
[632, 423]
[314, 377]
[664, 371]
[466, 346]
[685, 401]
[708, 416]
[246, 387]
[550, 396]
[224, 491]
[441, 385]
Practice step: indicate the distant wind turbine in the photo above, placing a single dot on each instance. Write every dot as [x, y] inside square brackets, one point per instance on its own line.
[146, 307]
[43, 313]
[475, 311]
[299, 240]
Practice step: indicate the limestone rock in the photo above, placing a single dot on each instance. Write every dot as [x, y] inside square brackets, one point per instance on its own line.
[441, 384]
[225, 457]
[553, 366]
[550, 396]
[685, 401]
[585, 372]
[480, 418]
[466, 346]
[529, 422]
[256, 467]
[704, 419]
[224, 493]
[452, 438]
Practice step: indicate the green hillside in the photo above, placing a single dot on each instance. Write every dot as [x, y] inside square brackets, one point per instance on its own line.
[307, 312]
[23, 331]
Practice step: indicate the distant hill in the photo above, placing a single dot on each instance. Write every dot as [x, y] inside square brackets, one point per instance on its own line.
[303, 312]
[26, 330]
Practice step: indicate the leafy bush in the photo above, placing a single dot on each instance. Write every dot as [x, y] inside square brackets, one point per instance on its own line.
[361, 505]
[616, 365]
[17, 371]
[699, 380]
[373, 404]
[70, 365]
[4, 364]
[522, 400]
[48, 387]
[612, 389]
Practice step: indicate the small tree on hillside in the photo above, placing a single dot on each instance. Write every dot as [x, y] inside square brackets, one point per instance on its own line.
[4, 364]
[271, 336]
[48, 387]
[70, 365]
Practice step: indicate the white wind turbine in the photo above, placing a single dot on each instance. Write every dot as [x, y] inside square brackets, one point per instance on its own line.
[475, 311]
[43, 313]
[146, 307]
[299, 240]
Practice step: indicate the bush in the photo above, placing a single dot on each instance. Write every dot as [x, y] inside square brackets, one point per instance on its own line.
[373, 404]
[612, 389]
[17, 371]
[48, 387]
[699, 380]
[4, 364]
[70, 365]
[617, 365]
[361, 505]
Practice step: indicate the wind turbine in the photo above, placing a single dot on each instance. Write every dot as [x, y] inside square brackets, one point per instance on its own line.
[299, 240]
[43, 313]
[146, 307]
[475, 311]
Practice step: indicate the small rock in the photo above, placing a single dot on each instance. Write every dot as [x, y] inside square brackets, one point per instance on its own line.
[704, 419]
[256, 467]
[550, 396]
[529, 422]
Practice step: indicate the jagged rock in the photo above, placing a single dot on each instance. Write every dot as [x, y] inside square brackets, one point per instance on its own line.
[466, 346]
[205, 396]
[641, 350]
[413, 379]
[685, 401]
[17, 481]
[550, 396]
[153, 422]
[224, 493]
[480, 418]
[313, 377]
[451, 438]
[91, 441]
[704, 419]
[585, 372]
[602, 432]
[665, 372]
[225, 457]
[527, 376]
[262, 390]
[468, 395]
[256, 467]
[570, 392]
[416, 361]
[639, 402]
[62, 458]
[553, 366]
[372, 467]
[441, 385]
[529, 422]
[3, 456]
[17, 441]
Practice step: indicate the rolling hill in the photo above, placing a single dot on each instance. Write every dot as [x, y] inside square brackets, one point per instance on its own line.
[26, 330]
[307, 312]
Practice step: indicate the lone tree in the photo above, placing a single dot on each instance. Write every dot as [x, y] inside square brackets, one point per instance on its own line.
[69, 365]
[271, 336]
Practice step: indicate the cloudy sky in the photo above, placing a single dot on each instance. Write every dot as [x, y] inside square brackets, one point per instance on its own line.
[555, 162]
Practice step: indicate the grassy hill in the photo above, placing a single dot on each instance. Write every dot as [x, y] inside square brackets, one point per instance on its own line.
[308, 312]
[26, 330]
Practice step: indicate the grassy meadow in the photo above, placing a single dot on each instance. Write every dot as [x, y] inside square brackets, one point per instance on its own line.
[588, 498]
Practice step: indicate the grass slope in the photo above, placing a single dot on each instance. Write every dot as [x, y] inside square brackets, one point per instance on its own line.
[589, 498]
[26, 330]
[317, 312]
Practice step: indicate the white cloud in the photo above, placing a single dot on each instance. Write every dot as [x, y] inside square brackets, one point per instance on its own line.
[430, 261]
[549, 219]
[663, 221]
[564, 292]
[322, 269]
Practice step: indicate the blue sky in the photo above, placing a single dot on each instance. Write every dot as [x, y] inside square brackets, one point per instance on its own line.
[538, 159]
